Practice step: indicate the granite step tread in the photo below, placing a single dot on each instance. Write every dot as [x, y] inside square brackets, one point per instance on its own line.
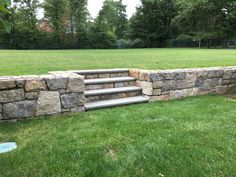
[108, 80]
[116, 102]
[101, 71]
[112, 91]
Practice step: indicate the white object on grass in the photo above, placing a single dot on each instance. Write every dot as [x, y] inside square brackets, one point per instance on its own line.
[7, 147]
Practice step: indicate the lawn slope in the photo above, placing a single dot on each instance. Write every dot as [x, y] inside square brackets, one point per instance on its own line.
[14, 62]
[181, 138]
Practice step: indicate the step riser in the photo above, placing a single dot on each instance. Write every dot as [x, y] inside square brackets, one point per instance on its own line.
[108, 75]
[112, 96]
[110, 85]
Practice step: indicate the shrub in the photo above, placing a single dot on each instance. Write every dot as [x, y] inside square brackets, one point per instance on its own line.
[123, 44]
[138, 43]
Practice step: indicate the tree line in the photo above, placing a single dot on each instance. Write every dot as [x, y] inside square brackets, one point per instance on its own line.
[67, 24]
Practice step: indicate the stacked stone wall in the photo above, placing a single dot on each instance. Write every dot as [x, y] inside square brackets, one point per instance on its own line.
[174, 84]
[33, 96]
[63, 92]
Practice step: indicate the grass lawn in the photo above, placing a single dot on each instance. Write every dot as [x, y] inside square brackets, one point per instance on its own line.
[39, 62]
[182, 138]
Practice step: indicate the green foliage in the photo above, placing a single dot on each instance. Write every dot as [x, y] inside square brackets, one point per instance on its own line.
[138, 43]
[78, 15]
[159, 21]
[156, 23]
[100, 38]
[153, 22]
[207, 20]
[123, 44]
[110, 25]
[184, 37]
[3, 9]
[4, 23]
[113, 18]
[55, 14]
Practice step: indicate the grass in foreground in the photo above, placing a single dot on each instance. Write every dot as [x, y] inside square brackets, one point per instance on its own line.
[187, 138]
[39, 62]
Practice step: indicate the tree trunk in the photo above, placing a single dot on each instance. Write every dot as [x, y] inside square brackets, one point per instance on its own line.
[208, 43]
[71, 25]
[226, 43]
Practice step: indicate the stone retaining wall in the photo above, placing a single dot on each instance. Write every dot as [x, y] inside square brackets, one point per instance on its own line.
[174, 84]
[32, 96]
[62, 92]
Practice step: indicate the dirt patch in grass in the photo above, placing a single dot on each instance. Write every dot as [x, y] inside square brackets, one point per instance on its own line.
[112, 153]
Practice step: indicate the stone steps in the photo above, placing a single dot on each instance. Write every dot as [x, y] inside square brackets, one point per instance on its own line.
[101, 71]
[108, 80]
[112, 91]
[112, 96]
[108, 88]
[116, 102]
[104, 73]
[104, 83]
[110, 85]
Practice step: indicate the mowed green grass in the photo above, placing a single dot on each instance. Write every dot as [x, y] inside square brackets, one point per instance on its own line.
[194, 137]
[40, 62]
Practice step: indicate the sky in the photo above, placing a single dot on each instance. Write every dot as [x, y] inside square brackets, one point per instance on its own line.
[94, 6]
